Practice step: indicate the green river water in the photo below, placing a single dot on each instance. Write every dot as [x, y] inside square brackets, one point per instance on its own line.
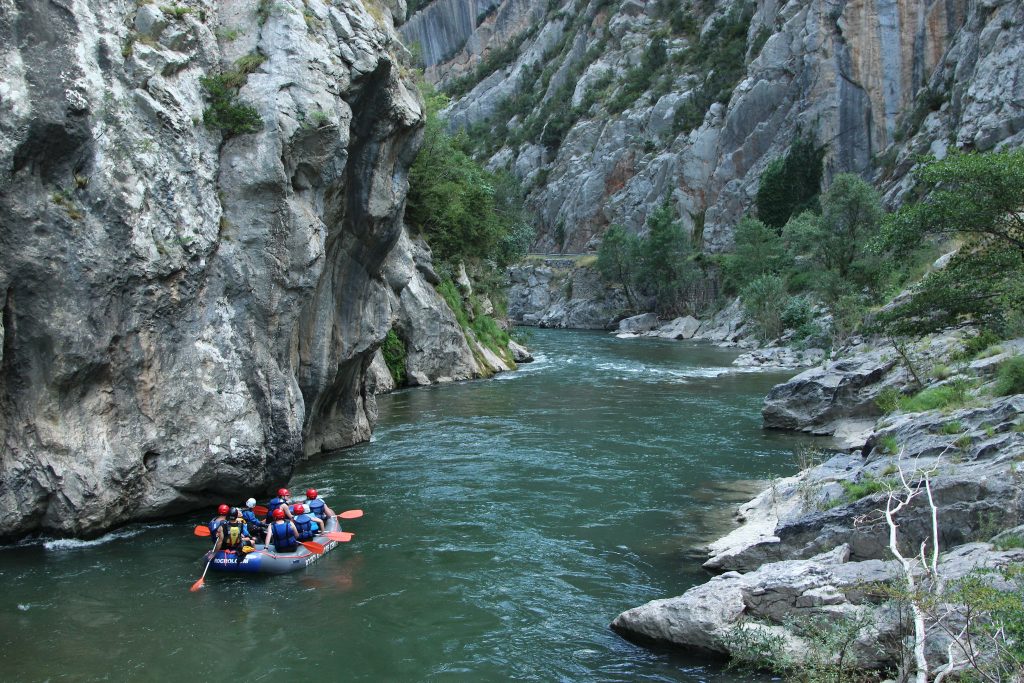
[507, 523]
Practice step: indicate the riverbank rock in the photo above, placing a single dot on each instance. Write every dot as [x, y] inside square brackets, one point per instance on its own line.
[645, 322]
[680, 328]
[780, 357]
[817, 398]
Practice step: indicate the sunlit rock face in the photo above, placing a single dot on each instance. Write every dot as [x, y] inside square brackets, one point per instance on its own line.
[185, 315]
[880, 82]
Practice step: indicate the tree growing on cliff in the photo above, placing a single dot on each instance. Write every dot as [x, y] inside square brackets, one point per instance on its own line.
[467, 213]
[790, 184]
[976, 202]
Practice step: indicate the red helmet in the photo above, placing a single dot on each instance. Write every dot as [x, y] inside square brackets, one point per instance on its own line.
[282, 492]
[278, 513]
[298, 509]
[223, 509]
[310, 493]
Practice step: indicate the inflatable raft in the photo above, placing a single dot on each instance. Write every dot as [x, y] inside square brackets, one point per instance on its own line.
[264, 560]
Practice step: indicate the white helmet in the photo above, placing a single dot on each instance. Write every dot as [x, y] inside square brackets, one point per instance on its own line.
[251, 503]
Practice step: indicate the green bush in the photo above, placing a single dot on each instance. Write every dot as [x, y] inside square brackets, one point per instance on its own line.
[226, 112]
[973, 346]
[951, 428]
[797, 313]
[450, 293]
[865, 487]
[490, 334]
[790, 184]
[759, 251]
[953, 395]
[393, 349]
[763, 303]
[974, 199]
[467, 213]
[1010, 379]
[888, 445]
[888, 400]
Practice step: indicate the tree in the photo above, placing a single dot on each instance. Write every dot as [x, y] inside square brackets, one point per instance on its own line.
[790, 184]
[618, 260]
[764, 300]
[975, 199]
[466, 213]
[851, 216]
[760, 250]
[667, 270]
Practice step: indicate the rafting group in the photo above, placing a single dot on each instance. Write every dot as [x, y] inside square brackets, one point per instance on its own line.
[294, 535]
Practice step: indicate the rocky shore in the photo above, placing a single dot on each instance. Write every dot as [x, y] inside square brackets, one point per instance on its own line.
[809, 545]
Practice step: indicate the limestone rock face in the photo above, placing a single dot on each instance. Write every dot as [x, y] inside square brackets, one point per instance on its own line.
[185, 315]
[881, 82]
[557, 293]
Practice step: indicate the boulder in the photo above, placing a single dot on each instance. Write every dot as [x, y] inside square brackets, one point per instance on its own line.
[645, 322]
[680, 328]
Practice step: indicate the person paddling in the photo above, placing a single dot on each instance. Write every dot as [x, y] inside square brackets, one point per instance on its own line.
[283, 532]
[317, 506]
[306, 525]
[222, 516]
[233, 534]
[256, 526]
[279, 502]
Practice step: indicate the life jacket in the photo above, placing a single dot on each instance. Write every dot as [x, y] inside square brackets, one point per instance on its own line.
[283, 538]
[215, 524]
[232, 535]
[271, 506]
[304, 525]
[316, 508]
[252, 520]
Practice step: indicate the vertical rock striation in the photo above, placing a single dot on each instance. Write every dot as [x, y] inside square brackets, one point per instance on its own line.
[184, 314]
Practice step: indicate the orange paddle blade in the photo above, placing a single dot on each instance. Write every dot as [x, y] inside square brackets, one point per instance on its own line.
[315, 547]
[202, 530]
[339, 536]
[197, 585]
[351, 514]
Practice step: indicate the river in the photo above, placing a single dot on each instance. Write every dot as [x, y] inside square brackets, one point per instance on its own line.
[507, 523]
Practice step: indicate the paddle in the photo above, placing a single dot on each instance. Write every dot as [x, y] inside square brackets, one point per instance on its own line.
[199, 584]
[351, 514]
[313, 546]
[340, 536]
[202, 530]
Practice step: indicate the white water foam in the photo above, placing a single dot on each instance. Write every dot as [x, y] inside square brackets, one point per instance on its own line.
[60, 544]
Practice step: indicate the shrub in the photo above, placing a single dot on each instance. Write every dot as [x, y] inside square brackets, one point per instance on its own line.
[952, 395]
[973, 346]
[941, 372]
[975, 199]
[393, 349]
[763, 302]
[864, 487]
[889, 445]
[1010, 542]
[953, 427]
[791, 184]
[798, 313]
[226, 112]
[888, 400]
[490, 334]
[450, 293]
[1010, 379]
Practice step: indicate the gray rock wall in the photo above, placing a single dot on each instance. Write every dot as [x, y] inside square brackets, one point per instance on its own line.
[186, 316]
[850, 72]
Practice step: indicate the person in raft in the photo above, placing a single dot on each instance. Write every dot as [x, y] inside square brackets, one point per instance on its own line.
[284, 533]
[255, 524]
[279, 502]
[233, 535]
[306, 525]
[222, 516]
[317, 506]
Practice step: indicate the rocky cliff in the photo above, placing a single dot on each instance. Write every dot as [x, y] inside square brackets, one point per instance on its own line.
[187, 312]
[572, 113]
